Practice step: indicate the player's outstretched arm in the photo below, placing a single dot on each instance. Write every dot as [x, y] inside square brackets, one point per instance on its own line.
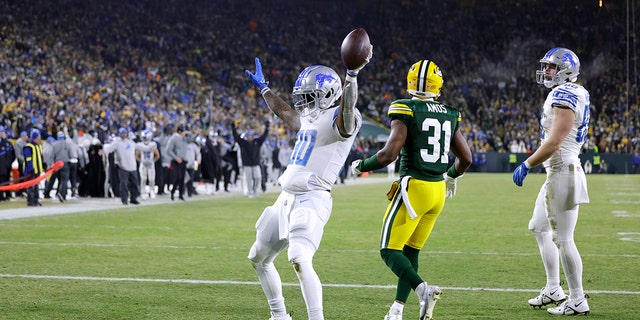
[346, 120]
[282, 109]
[387, 154]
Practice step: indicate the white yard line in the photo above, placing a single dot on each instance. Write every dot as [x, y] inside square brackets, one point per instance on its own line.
[253, 283]
[123, 245]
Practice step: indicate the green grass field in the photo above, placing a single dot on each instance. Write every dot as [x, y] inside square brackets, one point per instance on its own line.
[188, 260]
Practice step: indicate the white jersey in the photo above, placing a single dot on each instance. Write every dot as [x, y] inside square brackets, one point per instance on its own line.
[576, 98]
[319, 154]
[146, 157]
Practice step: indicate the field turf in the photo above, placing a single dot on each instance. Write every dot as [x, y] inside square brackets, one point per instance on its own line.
[188, 260]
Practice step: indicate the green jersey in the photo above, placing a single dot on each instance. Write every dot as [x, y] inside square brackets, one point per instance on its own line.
[430, 128]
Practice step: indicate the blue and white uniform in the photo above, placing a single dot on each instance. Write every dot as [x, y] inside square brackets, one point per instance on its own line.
[555, 214]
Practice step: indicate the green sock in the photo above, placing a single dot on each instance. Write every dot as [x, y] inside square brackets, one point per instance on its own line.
[404, 268]
[404, 286]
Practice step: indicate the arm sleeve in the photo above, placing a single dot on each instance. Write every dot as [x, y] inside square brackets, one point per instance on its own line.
[350, 97]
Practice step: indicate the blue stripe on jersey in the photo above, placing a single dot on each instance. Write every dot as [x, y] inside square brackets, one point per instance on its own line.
[565, 98]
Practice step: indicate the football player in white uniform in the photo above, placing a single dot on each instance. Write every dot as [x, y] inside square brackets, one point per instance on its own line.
[565, 121]
[147, 167]
[326, 127]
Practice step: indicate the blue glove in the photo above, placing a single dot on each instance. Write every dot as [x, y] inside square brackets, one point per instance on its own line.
[519, 174]
[258, 77]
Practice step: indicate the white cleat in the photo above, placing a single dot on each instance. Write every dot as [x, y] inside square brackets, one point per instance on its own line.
[286, 317]
[393, 315]
[571, 307]
[548, 296]
[428, 296]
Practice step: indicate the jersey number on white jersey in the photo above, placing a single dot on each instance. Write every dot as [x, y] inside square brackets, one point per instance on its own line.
[305, 140]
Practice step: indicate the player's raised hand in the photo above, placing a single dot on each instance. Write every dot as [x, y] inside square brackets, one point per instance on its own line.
[258, 78]
[356, 70]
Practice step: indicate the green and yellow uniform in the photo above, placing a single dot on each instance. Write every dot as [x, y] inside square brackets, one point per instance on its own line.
[424, 158]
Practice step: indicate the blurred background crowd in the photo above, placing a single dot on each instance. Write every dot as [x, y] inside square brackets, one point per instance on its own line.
[92, 67]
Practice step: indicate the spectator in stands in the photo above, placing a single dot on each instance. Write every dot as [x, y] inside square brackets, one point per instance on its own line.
[141, 71]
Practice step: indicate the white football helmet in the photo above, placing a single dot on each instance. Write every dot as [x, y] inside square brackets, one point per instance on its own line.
[317, 88]
[567, 67]
[146, 135]
[201, 141]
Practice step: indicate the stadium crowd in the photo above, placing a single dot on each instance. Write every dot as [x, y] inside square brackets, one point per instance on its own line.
[90, 68]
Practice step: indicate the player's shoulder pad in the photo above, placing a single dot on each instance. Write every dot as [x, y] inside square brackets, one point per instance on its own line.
[401, 107]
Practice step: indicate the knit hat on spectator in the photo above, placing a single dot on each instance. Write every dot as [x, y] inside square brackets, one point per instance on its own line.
[35, 133]
[23, 134]
[60, 135]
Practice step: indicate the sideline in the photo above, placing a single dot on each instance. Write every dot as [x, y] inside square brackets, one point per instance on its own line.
[95, 204]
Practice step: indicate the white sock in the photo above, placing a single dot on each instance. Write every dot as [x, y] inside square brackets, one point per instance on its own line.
[572, 266]
[550, 259]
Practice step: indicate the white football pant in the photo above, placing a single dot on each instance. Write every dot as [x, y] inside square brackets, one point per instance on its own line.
[303, 229]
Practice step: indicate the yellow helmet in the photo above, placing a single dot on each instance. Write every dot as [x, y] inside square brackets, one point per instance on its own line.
[424, 79]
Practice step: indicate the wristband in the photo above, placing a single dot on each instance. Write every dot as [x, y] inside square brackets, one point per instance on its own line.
[352, 73]
[370, 164]
[350, 78]
[453, 173]
[264, 90]
[526, 164]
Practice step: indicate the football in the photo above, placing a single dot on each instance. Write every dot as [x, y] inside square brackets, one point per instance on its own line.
[355, 48]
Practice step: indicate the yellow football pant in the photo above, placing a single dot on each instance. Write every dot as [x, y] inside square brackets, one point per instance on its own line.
[398, 229]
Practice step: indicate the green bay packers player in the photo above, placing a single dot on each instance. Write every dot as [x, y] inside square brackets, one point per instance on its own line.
[423, 131]
[326, 122]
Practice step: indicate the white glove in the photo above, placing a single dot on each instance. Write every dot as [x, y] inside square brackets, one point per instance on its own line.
[354, 167]
[451, 186]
